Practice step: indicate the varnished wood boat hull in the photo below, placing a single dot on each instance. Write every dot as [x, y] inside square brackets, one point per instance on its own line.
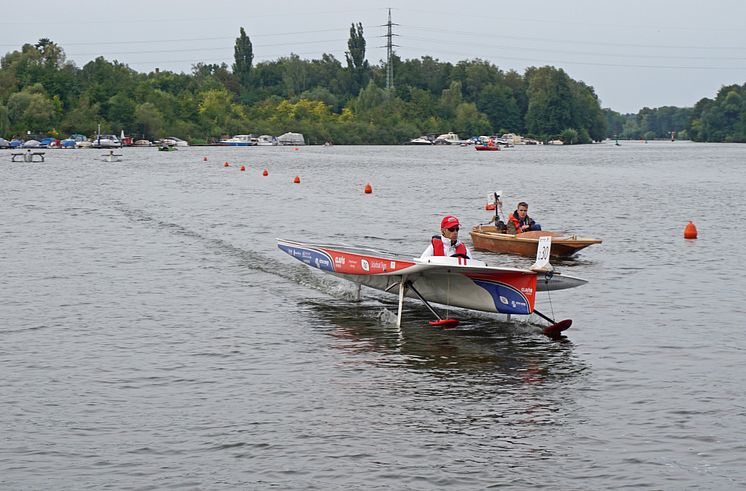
[486, 238]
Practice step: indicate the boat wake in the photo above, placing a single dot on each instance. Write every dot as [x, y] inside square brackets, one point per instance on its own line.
[249, 259]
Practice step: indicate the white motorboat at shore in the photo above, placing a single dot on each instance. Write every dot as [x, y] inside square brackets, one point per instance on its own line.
[449, 138]
[239, 141]
[106, 141]
[266, 140]
[176, 142]
[423, 140]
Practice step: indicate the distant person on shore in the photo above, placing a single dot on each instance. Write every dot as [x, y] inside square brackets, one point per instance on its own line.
[519, 221]
[447, 243]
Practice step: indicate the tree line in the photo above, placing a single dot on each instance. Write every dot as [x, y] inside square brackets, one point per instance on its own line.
[326, 100]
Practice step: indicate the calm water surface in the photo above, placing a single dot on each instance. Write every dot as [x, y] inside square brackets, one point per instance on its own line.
[152, 335]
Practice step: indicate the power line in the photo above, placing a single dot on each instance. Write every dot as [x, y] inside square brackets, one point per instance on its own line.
[591, 53]
[618, 65]
[555, 40]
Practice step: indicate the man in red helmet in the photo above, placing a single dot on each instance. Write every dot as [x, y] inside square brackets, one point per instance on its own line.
[447, 244]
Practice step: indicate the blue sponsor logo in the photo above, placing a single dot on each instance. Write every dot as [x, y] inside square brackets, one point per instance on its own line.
[311, 257]
[507, 299]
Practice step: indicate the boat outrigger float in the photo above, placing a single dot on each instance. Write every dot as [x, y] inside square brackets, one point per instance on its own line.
[451, 281]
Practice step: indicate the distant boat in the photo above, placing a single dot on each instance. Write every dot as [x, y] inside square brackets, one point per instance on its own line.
[4, 143]
[239, 141]
[291, 139]
[489, 146]
[74, 141]
[448, 139]
[106, 141]
[266, 140]
[423, 140]
[50, 142]
[177, 142]
[165, 147]
[31, 144]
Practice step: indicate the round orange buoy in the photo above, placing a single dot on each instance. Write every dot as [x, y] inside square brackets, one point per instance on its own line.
[368, 188]
[243, 168]
[489, 206]
[296, 180]
[226, 164]
[204, 159]
[690, 231]
[265, 173]
[296, 148]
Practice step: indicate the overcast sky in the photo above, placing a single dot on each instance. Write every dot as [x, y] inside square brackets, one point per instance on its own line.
[635, 53]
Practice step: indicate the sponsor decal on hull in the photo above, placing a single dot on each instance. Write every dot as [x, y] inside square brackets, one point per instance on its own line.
[343, 262]
[513, 293]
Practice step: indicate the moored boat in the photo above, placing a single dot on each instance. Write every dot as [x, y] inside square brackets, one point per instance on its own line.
[239, 141]
[106, 141]
[492, 148]
[266, 140]
[487, 238]
[176, 142]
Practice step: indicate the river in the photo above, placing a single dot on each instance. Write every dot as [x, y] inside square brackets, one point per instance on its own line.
[153, 336]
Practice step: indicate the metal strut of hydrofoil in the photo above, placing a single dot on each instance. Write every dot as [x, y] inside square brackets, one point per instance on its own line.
[403, 285]
[429, 307]
[402, 291]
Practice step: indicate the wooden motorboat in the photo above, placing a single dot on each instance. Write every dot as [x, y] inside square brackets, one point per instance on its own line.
[487, 238]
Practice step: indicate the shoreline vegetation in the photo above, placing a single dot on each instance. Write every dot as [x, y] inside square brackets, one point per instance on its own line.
[43, 94]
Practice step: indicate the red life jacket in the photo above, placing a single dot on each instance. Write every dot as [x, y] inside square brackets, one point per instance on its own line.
[440, 250]
[516, 222]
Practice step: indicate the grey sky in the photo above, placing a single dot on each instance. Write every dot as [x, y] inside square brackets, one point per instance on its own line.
[634, 53]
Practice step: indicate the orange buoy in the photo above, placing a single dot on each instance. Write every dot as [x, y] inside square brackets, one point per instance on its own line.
[204, 159]
[368, 188]
[226, 164]
[296, 148]
[690, 231]
[296, 180]
[265, 173]
[489, 206]
[243, 168]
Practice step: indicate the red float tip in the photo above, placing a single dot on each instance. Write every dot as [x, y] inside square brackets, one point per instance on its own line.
[445, 323]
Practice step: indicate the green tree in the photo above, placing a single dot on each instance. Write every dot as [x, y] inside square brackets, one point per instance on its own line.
[501, 108]
[549, 101]
[356, 62]
[149, 121]
[4, 120]
[470, 121]
[243, 55]
[31, 110]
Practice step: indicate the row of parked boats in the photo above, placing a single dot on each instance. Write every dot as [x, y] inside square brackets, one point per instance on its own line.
[113, 141]
[264, 140]
[450, 138]
[100, 141]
